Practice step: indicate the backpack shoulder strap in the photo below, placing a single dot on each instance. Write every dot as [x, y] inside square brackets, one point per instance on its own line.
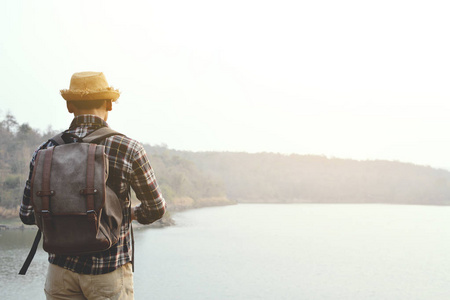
[31, 254]
[57, 139]
[99, 135]
[63, 138]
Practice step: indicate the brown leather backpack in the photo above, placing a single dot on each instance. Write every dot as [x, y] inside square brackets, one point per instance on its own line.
[75, 210]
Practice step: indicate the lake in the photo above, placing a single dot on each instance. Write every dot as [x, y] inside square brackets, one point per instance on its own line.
[275, 251]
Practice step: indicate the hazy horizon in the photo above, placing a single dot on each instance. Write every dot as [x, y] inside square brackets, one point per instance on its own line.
[341, 79]
[42, 130]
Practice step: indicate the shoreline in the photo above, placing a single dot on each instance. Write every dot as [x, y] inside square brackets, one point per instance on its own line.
[176, 206]
[16, 224]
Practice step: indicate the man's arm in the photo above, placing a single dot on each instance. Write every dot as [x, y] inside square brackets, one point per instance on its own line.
[144, 184]
[26, 212]
[133, 214]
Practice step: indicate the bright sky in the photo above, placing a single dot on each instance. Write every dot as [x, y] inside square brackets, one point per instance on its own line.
[350, 79]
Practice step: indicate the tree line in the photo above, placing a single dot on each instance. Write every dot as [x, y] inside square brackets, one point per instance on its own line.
[183, 184]
[195, 179]
[278, 178]
[17, 143]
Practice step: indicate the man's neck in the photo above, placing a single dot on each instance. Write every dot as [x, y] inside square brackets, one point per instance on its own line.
[96, 112]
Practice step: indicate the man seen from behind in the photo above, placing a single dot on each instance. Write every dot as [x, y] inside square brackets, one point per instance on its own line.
[107, 274]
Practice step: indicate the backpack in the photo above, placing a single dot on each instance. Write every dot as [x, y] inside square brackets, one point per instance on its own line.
[74, 209]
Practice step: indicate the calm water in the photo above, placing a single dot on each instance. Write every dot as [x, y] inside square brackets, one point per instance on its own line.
[254, 251]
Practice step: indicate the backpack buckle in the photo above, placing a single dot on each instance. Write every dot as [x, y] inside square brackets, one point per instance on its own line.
[45, 193]
[88, 191]
[92, 217]
[45, 213]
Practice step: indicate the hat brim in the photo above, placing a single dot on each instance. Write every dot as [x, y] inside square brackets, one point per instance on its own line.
[82, 96]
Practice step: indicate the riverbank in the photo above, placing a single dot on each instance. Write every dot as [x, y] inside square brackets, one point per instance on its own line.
[185, 203]
[180, 204]
[9, 219]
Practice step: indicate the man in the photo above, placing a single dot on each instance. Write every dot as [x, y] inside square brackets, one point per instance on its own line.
[107, 274]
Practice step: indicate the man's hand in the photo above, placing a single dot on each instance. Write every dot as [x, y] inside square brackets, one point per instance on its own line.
[133, 215]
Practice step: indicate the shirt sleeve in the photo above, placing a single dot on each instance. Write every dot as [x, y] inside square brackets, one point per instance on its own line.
[26, 212]
[144, 184]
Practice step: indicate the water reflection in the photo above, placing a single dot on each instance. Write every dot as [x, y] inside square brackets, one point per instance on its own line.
[245, 252]
[14, 247]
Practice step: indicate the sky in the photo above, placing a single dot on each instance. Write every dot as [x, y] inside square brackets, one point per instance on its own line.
[347, 79]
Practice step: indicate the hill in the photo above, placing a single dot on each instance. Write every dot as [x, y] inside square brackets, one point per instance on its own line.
[271, 177]
[198, 179]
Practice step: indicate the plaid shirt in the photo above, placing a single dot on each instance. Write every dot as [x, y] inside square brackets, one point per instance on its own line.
[128, 167]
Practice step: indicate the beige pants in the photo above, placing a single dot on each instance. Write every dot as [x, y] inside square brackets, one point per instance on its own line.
[62, 284]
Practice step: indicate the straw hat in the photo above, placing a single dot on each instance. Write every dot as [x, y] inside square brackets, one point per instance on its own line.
[89, 86]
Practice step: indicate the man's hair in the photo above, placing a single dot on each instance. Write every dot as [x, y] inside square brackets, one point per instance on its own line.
[88, 104]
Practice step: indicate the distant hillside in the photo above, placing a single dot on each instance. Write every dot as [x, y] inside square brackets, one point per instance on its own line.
[269, 177]
[197, 179]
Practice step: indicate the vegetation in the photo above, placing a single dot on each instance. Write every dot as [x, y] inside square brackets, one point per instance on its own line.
[197, 179]
[183, 184]
[17, 143]
[269, 177]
